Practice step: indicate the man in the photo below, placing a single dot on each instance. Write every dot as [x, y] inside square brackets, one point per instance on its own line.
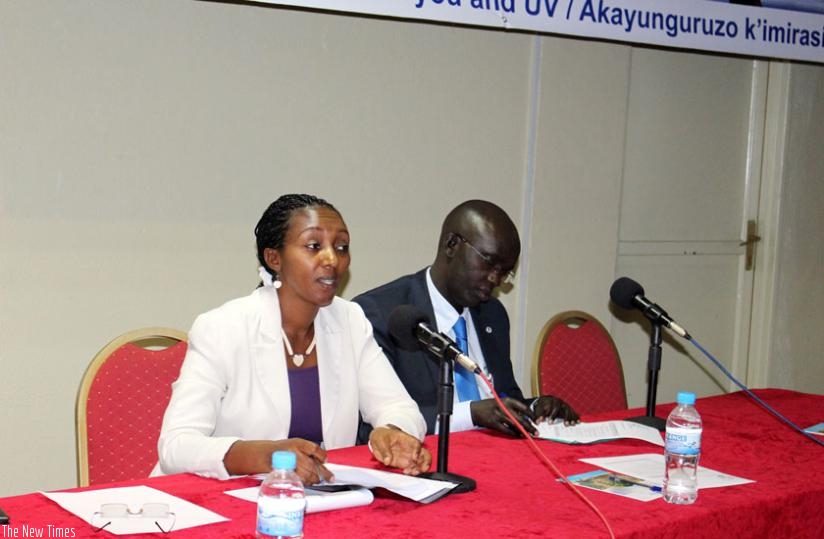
[477, 250]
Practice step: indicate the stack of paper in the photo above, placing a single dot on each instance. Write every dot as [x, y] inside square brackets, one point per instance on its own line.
[353, 484]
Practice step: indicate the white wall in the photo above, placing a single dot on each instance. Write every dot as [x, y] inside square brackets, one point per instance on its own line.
[572, 244]
[796, 359]
[140, 142]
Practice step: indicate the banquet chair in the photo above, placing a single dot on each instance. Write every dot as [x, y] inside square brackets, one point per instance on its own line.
[576, 359]
[120, 404]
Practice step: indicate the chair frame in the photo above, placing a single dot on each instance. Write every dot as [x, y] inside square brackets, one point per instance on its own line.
[145, 338]
[562, 318]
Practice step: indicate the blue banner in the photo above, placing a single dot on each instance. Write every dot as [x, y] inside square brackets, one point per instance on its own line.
[788, 29]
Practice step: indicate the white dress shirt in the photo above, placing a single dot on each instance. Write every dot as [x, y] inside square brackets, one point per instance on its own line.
[445, 318]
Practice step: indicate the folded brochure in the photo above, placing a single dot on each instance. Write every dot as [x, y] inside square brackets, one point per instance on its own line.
[614, 483]
[818, 428]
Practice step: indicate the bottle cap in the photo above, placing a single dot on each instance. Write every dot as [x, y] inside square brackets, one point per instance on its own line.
[283, 460]
[685, 397]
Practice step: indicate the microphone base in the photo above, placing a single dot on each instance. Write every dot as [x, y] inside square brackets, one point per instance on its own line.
[465, 484]
[650, 421]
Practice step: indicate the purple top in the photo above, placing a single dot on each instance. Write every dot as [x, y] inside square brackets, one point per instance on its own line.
[305, 392]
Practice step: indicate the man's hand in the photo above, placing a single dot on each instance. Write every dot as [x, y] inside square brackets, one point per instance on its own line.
[551, 408]
[487, 413]
[394, 447]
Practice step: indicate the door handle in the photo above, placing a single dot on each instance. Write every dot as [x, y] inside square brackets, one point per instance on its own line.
[752, 239]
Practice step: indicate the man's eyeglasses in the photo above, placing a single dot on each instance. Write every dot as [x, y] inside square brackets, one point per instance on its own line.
[490, 264]
[156, 511]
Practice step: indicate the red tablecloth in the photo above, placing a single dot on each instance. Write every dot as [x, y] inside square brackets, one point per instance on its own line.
[518, 496]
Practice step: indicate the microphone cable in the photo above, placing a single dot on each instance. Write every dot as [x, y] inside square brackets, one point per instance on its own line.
[752, 395]
[543, 457]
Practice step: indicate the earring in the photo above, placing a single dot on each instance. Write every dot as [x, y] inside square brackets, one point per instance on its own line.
[267, 278]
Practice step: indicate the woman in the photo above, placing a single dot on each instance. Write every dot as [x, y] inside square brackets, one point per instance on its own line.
[290, 366]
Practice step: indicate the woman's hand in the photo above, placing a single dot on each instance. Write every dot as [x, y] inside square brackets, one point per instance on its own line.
[393, 447]
[255, 456]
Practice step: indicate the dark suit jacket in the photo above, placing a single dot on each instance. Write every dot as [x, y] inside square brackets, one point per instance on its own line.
[418, 370]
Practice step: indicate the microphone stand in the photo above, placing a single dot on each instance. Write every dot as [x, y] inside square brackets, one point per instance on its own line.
[445, 396]
[653, 366]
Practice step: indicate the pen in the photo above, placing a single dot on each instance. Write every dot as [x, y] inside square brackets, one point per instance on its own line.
[319, 465]
[630, 481]
[321, 480]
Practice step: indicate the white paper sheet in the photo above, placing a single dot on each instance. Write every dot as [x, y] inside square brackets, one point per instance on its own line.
[650, 468]
[317, 501]
[587, 433]
[85, 504]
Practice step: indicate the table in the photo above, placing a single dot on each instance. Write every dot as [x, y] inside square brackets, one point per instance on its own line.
[518, 496]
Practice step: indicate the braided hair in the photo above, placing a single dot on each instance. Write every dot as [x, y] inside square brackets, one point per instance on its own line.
[274, 223]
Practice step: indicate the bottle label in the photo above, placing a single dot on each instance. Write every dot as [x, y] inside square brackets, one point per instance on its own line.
[280, 516]
[683, 441]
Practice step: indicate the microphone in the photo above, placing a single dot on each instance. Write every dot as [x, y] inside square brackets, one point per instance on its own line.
[628, 294]
[410, 327]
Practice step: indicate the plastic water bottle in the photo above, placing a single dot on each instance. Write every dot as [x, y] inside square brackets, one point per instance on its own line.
[682, 451]
[281, 500]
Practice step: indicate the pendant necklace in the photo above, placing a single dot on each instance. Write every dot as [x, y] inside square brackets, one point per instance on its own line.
[297, 359]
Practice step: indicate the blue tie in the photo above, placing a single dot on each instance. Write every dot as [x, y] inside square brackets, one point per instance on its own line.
[464, 380]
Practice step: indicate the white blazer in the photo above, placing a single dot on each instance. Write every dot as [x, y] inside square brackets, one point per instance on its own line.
[234, 385]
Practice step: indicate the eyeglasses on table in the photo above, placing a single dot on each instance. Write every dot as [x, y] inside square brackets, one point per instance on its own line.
[110, 511]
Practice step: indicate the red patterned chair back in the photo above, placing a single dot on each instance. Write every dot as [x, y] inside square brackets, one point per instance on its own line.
[120, 404]
[576, 360]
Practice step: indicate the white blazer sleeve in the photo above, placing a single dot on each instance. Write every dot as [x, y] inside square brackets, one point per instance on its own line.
[186, 441]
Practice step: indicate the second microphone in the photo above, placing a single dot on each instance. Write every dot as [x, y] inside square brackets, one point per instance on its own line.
[411, 328]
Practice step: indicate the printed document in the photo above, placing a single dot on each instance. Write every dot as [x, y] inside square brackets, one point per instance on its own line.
[587, 433]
